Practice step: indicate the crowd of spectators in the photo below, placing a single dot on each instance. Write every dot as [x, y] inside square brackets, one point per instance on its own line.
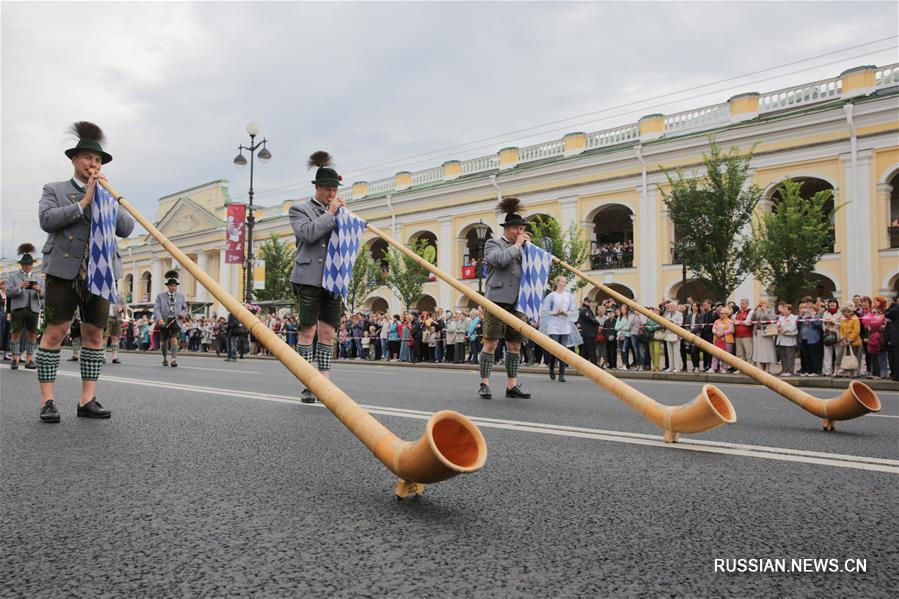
[612, 255]
[819, 337]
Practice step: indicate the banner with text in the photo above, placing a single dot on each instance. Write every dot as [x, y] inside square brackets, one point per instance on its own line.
[234, 227]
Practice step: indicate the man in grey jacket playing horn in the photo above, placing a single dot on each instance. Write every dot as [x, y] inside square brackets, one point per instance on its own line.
[320, 310]
[503, 258]
[65, 214]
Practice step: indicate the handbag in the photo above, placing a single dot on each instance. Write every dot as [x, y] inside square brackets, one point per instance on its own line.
[830, 339]
[670, 336]
[770, 330]
[849, 362]
[659, 335]
[600, 336]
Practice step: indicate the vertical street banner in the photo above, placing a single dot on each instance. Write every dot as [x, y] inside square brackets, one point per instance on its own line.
[234, 231]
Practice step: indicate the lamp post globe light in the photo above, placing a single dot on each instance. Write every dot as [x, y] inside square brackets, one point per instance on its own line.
[264, 156]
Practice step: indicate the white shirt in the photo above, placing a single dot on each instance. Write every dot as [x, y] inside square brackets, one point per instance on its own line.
[558, 325]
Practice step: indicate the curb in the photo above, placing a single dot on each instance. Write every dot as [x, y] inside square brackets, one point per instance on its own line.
[702, 377]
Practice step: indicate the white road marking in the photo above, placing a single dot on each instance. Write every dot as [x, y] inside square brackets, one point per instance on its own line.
[219, 370]
[719, 447]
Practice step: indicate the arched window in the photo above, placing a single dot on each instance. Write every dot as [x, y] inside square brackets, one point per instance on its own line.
[613, 244]
[600, 296]
[431, 241]
[809, 187]
[698, 289]
[426, 303]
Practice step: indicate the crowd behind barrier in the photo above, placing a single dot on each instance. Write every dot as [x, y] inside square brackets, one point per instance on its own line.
[821, 337]
[605, 256]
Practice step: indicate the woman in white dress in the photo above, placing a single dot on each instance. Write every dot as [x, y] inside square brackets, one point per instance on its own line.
[558, 313]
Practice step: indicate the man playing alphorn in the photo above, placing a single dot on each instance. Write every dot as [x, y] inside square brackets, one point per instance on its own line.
[503, 258]
[320, 310]
[65, 214]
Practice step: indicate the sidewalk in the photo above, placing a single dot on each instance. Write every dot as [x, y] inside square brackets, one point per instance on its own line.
[701, 377]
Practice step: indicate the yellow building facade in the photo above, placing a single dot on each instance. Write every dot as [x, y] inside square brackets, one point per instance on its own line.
[841, 134]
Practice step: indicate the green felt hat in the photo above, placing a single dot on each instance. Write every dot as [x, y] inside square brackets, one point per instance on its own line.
[90, 138]
[325, 175]
[26, 249]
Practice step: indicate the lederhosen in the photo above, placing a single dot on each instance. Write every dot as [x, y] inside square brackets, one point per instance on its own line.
[62, 296]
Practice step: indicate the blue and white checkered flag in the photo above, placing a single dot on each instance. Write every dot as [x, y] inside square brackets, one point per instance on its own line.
[535, 264]
[100, 276]
[343, 247]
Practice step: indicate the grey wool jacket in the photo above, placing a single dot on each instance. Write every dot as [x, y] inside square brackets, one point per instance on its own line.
[68, 230]
[312, 226]
[24, 298]
[503, 260]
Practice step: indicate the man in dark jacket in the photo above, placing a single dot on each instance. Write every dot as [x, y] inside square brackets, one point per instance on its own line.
[892, 315]
[611, 339]
[709, 316]
[588, 324]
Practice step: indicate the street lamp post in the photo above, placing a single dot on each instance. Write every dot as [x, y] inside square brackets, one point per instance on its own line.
[239, 160]
[481, 232]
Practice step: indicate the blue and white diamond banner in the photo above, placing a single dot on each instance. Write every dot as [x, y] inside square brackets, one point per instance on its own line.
[535, 264]
[100, 276]
[343, 247]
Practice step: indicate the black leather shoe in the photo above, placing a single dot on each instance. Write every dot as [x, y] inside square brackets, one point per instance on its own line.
[93, 409]
[165, 362]
[561, 378]
[174, 364]
[116, 361]
[73, 359]
[517, 392]
[484, 392]
[31, 366]
[552, 374]
[307, 396]
[14, 366]
[49, 413]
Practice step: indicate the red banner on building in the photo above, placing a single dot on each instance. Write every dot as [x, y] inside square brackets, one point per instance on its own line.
[234, 231]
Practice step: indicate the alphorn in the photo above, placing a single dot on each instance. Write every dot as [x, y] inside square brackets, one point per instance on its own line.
[450, 445]
[708, 410]
[857, 400]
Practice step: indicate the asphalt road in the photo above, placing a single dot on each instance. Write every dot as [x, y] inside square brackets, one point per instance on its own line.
[212, 480]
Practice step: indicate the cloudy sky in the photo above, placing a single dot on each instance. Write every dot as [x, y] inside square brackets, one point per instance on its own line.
[383, 86]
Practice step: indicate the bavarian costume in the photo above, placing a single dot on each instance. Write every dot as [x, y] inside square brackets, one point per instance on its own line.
[312, 226]
[65, 262]
[169, 308]
[25, 308]
[503, 259]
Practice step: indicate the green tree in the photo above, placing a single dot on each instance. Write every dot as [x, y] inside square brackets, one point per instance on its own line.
[713, 215]
[364, 279]
[791, 240]
[279, 257]
[567, 246]
[405, 277]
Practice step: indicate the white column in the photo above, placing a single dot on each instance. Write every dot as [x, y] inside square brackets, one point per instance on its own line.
[857, 254]
[747, 287]
[156, 279]
[648, 246]
[884, 192]
[445, 259]
[203, 262]
[569, 211]
[224, 272]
